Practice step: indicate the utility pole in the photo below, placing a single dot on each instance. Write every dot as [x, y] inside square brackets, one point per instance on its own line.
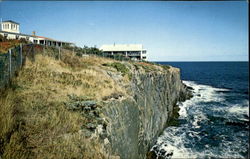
[1, 24]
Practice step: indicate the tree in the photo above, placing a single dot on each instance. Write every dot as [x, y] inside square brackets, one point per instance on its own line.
[23, 40]
[2, 38]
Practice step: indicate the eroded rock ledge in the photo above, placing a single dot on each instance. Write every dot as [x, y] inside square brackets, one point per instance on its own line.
[87, 108]
[127, 124]
[134, 122]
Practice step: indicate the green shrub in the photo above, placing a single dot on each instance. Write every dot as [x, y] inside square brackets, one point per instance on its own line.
[166, 67]
[118, 66]
[147, 68]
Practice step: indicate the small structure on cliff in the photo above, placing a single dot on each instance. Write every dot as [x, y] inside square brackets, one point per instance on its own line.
[11, 30]
[133, 51]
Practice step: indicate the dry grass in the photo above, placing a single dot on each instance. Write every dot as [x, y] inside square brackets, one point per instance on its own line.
[34, 122]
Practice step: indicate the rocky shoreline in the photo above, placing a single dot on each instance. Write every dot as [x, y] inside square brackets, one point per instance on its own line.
[91, 107]
[128, 126]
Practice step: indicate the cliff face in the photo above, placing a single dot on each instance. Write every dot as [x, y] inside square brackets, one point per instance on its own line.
[135, 122]
[91, 107]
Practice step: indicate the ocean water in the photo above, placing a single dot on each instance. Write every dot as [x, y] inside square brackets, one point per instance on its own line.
[215, 122]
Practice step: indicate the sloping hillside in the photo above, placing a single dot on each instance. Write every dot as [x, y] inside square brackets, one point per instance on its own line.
[34, 121]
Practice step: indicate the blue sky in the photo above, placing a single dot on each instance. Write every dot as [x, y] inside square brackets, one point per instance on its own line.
[170, 31]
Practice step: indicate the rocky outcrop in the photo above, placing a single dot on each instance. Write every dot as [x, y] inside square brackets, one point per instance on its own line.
[134, 122]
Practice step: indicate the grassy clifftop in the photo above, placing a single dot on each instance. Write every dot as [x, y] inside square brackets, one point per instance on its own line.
[34, 119]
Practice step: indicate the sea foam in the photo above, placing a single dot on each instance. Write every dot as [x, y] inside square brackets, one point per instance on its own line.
[180, 142]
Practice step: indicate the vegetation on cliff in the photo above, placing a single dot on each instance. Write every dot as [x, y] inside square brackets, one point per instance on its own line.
[34, 120]
[50, 103]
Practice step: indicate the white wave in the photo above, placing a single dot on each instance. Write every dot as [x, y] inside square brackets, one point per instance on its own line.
[173, 142]
[170, 142]
[238, 109]
[174, 138]
[183, 108]
[202, 93]
[197, 119]
[205, 93]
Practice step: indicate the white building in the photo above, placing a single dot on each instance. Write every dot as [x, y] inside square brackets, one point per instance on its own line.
[10, 26]
[133, 51]
[11, 30]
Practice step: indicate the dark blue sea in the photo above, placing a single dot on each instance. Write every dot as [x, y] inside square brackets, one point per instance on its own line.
[215, 122]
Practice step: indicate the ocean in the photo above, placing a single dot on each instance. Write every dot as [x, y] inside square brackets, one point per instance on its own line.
[215, 122]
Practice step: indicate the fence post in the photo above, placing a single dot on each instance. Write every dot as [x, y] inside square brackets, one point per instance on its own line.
[33, 53]
[59, 49]
[21, 55]
[9, 65]
[44, 49]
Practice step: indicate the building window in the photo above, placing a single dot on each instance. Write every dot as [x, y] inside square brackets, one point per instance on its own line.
[5, 35]
[17, 36]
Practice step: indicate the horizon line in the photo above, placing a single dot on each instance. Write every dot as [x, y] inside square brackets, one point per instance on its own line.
[198, 61]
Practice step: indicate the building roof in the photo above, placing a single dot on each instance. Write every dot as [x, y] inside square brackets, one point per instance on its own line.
[122, 47]
[11, 21]
[35, 36]
[43, 37]
[15, 33]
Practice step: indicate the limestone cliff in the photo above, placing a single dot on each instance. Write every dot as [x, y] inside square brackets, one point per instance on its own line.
[136, 121]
